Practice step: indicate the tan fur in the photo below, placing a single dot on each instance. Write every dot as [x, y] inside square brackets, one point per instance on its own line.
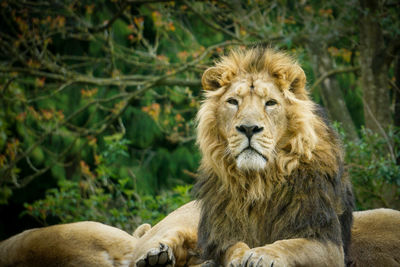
[300, 250]
[93, 244]
[178, 231]
[77, 244]
[376, 238]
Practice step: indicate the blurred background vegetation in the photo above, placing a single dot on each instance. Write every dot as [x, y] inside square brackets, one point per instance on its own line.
[98, 98]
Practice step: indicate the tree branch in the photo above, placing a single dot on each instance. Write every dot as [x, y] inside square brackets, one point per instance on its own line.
[330, 73]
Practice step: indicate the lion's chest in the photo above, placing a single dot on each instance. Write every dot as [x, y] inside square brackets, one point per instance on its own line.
[254, 225]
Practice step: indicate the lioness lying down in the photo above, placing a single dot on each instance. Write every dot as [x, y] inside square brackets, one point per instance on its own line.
[74, 244]
[375, 242]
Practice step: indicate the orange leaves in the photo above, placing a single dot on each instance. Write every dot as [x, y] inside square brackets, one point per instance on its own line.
[137, 29]
[89, 93]
[163, 58]
[160, 23]
[42, 114]
[40, 81]
[47, 114]
[139, 21]
[242, 31]
[86, 170]
[11, 150]
[22, 24]
[328, 12]
[179, 118]
[342, 53]
[21, 116]
[157, 18]
[170, 26]
[325, 12]
[2, 160]
[60, 115]
[119, 106]
[89, 8]
[92, 140]
[153, 110]
[58, 22]
[288, 20]
[183, 55]
[34, 113]
[33, 64]
[309, 9]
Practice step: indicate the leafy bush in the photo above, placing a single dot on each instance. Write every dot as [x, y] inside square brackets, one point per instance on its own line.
[105, 197]
[371, 164]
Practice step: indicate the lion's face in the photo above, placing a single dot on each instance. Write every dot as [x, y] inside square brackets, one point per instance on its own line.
[257, 116]
[251, 117]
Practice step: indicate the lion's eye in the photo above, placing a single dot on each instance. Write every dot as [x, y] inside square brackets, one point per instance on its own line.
[271, 102]
[232, 101]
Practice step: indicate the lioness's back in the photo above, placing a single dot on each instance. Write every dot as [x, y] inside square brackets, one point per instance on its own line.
[375, 238]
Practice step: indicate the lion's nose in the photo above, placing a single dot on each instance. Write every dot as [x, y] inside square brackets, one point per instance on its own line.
[249, 130]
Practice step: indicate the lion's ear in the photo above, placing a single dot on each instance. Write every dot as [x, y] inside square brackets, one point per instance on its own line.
[211, 79]
[297, 81]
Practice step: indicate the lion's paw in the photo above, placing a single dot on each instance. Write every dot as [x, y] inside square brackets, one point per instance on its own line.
[257, 257]
[161, 256]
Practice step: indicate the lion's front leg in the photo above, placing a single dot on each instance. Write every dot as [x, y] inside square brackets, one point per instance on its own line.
[289, 252]
[171, 242]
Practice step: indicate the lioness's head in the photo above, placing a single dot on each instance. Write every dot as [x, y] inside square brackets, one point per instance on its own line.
[257, 114]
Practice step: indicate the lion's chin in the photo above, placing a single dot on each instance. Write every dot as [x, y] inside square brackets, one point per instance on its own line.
[250, 160]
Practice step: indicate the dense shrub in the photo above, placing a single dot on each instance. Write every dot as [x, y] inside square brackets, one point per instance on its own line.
[104, 196]
[371, 164]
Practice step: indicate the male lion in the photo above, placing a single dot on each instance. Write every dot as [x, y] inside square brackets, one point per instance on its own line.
[271, 183]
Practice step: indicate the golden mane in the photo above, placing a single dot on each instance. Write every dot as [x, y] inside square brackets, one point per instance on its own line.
[308, 139]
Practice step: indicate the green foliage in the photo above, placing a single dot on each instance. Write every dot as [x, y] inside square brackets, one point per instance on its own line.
[371, 164]
[105, 196]
[80, 78]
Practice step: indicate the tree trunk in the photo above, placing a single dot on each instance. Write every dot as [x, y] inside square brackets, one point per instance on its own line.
[397, 93]
[397, 102]
[331, 94]
[374, 64]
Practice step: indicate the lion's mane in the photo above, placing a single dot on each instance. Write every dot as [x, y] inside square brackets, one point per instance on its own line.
[301, 193]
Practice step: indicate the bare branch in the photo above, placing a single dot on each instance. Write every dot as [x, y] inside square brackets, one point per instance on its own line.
[330, 73]
[210, 23]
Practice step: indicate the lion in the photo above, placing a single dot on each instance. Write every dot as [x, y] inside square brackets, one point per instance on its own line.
[271, 182]
[88, 244]
[173, 242]
[271, 189]
[375, 239]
